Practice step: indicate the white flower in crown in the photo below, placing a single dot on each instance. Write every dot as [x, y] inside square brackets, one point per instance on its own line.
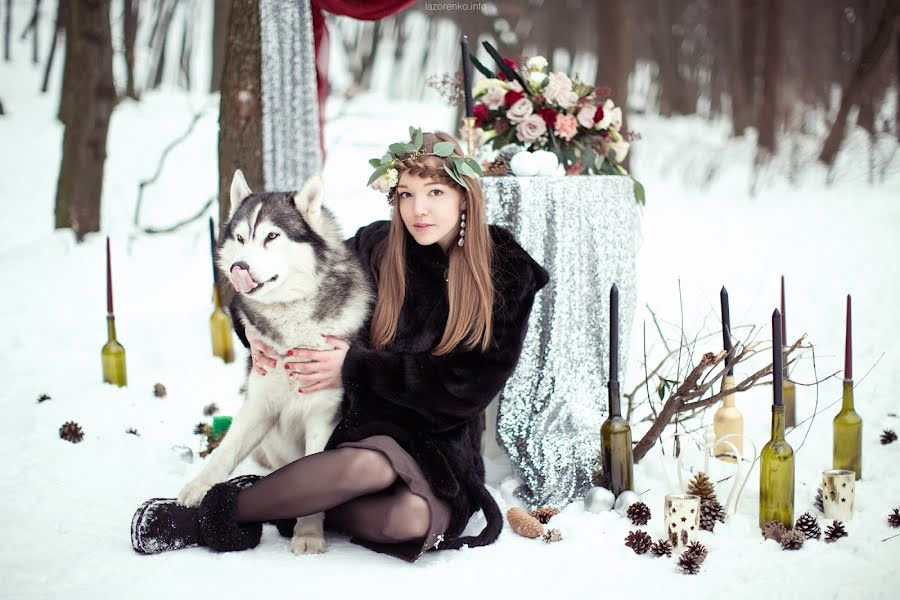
[536, 63]
[388, 180]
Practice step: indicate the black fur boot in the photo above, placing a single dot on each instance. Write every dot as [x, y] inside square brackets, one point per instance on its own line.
[161, 524]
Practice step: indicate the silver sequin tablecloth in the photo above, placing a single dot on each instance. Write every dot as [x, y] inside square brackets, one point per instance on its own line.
[586, 231]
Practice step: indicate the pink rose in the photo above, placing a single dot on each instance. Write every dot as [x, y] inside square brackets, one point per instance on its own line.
[586, 116]
[530, 129]
[559, 90]
[566, 126]
[519, 111]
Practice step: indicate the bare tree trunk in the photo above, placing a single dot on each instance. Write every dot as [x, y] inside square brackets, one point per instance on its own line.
[187, 37]
[129, 24]
[59, 29]
[617, 55]
[89, 61]
[674, 94]
[32, 28]
[874, 51]
[240, 112]
[221, 10]
[743, 70]
[767, 116]
[68, 81]
[7, 31]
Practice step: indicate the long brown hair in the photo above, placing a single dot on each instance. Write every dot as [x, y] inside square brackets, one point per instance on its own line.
[470, 289]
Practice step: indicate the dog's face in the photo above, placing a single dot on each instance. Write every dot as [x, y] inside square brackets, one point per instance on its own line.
[272, 241]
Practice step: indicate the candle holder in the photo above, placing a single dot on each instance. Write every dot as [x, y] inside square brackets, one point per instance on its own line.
[838, 493]
[682, 515]
[470, 135]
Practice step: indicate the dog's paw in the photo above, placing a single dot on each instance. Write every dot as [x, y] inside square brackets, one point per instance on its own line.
[308, 544]
[193, 493]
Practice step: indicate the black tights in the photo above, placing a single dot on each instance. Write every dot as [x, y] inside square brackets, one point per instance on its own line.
[358, 487]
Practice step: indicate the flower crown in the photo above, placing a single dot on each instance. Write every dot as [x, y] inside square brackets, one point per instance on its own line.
[385, 176]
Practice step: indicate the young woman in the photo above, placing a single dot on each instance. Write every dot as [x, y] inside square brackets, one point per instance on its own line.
[402, 472]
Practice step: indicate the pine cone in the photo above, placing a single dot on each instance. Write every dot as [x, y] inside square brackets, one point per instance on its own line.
[835, 532]
[774, 530]
[552, 535]
[661, 548]
[544, 514]
[639, 541]
[894, 518]
[639, 513]
[698, 550]
[689, 564]
[523, 523]
[132, 431]
[819, 501]
[701, 486]
[159, 390]
[71, 432]
[888, 436]
[809, 525]
[710, 512]
[210, 409]
[43, 398]
[201, 428]
[793, 540]
[498, 168]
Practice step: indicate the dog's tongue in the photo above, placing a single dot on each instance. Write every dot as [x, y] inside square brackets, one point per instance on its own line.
[241, 280]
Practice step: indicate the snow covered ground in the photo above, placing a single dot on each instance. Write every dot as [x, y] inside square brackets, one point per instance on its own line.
[65, 509]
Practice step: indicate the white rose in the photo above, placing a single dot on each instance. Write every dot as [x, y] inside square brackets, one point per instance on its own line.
[612, 116]
[493, 99]
[521, 110]
[536, 80]
[536, 63]
[559, 90]
[483, 85]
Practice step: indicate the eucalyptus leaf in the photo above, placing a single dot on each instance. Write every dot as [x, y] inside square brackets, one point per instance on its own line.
[418, 139]
[639, 193]
[375, 162]
[412, 132]
[466, 170]
[454, 177]
[399, 148]
[444, 149]
[386, 158]
[474, 165]
[379, 171]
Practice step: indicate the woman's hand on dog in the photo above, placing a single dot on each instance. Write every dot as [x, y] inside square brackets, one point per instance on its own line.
[322, 370]
[262, 355]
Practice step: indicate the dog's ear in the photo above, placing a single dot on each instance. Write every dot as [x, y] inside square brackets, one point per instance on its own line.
[309, 200]
[239, 191]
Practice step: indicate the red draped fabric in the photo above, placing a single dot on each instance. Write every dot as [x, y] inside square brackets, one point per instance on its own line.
[364, 10]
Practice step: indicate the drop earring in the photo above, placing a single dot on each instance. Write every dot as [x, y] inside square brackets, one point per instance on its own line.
[462, 229]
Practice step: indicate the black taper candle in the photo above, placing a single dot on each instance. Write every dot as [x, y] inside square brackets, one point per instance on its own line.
[848, 347]
[726, 328]
[109, 295]
[467, 76]
[614, 334]
[777, 354]
[783, 314]
[212, 249]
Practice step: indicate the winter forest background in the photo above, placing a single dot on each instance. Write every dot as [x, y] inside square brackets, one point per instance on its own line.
[765, 133]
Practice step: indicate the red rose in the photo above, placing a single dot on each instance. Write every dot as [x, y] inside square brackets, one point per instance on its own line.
[549, 116]
[511, 64]
[512, 97]
[480, 112]
[598, 115]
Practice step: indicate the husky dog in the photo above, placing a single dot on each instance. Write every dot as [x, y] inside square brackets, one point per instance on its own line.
[295, 280]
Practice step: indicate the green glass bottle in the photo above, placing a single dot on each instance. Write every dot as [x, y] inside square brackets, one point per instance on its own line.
[615, 447]
[220, 329]
[847, 425]
[113, 356]
[616, 452]
[776, 469]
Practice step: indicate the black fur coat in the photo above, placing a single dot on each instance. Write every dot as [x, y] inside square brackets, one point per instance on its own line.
[432, 405]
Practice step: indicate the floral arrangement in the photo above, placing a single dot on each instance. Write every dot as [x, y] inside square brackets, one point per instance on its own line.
[531, 106]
